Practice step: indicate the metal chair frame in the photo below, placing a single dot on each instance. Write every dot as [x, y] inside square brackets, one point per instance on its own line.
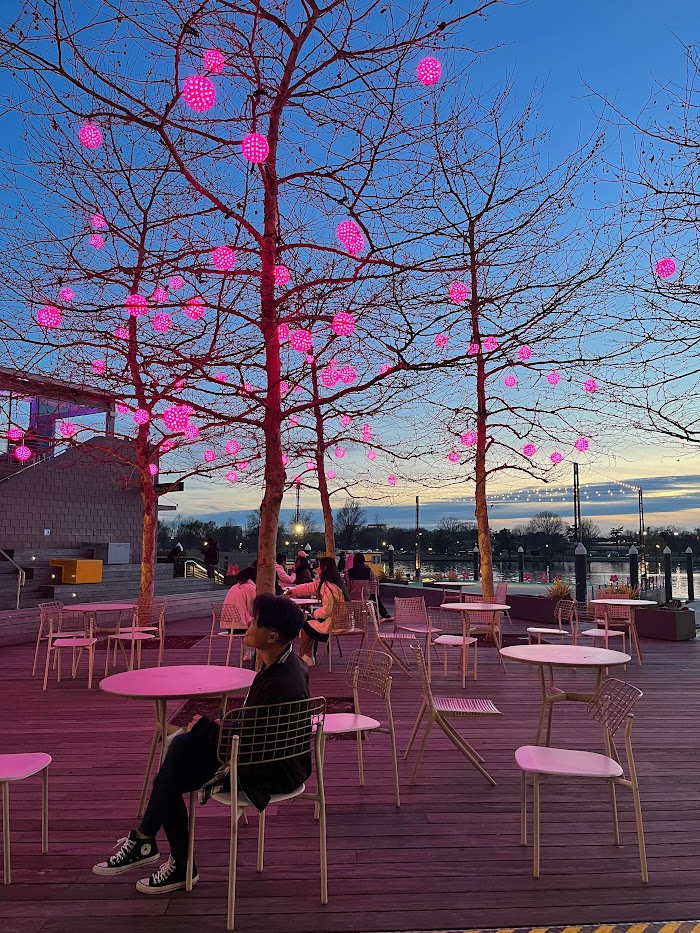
[349, 618]
[59, 636]
[232, 627]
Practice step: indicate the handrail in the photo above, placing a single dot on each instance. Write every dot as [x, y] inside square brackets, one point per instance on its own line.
[193, 568]
[21, 575]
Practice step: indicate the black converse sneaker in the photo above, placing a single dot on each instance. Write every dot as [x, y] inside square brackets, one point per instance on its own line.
[133, 852]
[169, 877]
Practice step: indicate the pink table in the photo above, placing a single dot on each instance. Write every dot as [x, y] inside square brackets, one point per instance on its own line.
[101, 607]
[306, 601]
[180, 682]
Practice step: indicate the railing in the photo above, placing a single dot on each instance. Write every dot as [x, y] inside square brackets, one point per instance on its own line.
[21, 576]
[193, 568]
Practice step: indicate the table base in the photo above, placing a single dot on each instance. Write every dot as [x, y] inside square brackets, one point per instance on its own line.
[552, 694]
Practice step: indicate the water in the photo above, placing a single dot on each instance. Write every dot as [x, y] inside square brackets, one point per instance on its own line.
[599, 572]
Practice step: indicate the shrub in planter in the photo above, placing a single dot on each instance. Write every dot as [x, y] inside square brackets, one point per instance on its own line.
[559, 590]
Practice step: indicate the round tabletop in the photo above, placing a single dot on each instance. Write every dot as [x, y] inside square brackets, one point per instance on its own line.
[565, 655]
[306, 601]
[477, 607]
[624, 602]
[100, 607]
[180, 682]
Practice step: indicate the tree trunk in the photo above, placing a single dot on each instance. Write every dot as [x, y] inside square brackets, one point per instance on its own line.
[328, 528]
[481, 510]
[149, 528]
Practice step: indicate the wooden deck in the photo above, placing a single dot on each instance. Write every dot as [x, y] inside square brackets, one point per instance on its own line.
[449, 858]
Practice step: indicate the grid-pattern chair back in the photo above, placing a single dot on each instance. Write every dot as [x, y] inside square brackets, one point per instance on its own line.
[602, 594]
[584, 613]
[410, 611]
[271, 733]
[472, 598]
[485, 617]
[501, 592]
[370, 671]
[149, 613]
[617, 613]
[343, 620]
[420, 663]
[229, 617]
[612, 703]
[358, 589]
[50, 613]
[565, 612]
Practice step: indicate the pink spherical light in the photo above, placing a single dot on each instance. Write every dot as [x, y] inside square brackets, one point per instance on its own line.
[428, 71]
[350, 236]
[331, 474]
[458, 292]
[473, 349]
[214, 61]
[232, 476]
[176, 418]
[309, 358]
[98, 222]
[90, 136]
[122, 333]
[524, 353]
[281, 275]
[343, 324]
[556, 457]
[192, 432]
[199, 93]
[581, 444]
[180, 386]
[255, 148]
[529, 450]
[367, 431]
[141, 416]
[345, 420]
[242, 465]
[160, 295]
[209, 456]
[339, 453]
[590, 385]
[97, 241]
[22, 453]
[166, 446]
[293, 421]
[224, 258]
[510, 381]
[441, 341]
[490, 344]
[66, 428]
[49, 317]
[284, 387]
[310, 465]
[469, 438]
[285, 460]
[283, 332]
[161, 322]
[122, 409]
[232, 448]
[14, 434]
[136, 305]
[391, 479]
[553, 378]
[347, 374]
[194, 308]
[99, 367]
[665, 267]
[153, 469]
[384, 369]
[371, 454]
[221, 377]
[330, 377]
[297, 480]
[66, 294]
[453, 456]
[301, 340]
[176, 283]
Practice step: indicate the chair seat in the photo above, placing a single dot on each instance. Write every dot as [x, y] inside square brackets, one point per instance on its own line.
[538, 759]
[141, 628]
[418, 629]
[336, 723]
[17, 767]
[398, 636]
[466, 706]
[454, 641]
[600, 633]
[67, 642]
[134, 636]
[548, 631]
[243, 801]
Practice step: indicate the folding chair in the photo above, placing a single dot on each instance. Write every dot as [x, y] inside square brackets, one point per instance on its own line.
[230, 625]
[72, 630]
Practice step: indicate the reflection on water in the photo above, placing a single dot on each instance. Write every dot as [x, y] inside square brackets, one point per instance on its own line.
[599, 572]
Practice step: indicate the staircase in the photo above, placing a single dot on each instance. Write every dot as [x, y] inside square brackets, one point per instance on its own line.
[38, 574]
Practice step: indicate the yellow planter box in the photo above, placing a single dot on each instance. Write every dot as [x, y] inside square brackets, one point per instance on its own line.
[77, 571]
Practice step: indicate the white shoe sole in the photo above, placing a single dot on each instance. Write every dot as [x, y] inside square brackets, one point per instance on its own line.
[104, 870]
[144, 887]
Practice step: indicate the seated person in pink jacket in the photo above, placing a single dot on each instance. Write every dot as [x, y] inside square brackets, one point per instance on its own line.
[241, 596]
[330, 589]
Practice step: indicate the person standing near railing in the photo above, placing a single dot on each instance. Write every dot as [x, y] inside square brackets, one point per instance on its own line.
[211, 556]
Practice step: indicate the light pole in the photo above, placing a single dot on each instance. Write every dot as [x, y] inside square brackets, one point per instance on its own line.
[298, 527]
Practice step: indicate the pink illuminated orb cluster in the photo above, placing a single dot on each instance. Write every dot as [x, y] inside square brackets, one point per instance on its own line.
[66, 294]
[122, 333]
[141, 416]
[469, 438]
[22, 453]
[490, 344]
[122, 409]
[224, 258]
[458, 292]
[453, 456]
[281, 275]
[176, 418]
[428, 71]
[214, 61]
[232, 476]
[98, 222]
[192, 432]
[66, 428]
[49, 317]
[510, 381]
[367, 432]
[301, 340]
[345, 420]
[99, 367]
[529, 450]
[199, 93]
[473, 349]
[441, 341]
[283, 332]
[176, 283]
[581, 444]
[90, 136]
[524, 353]
[232, 448]
[136, 305]
[14, 434]
[220, 377]
[343, 324]
[339, 453]
[350, 236]
[384, 369]
[331, 474]
[160, 295]
[391, 479]
[330, 376]
[665, 267]
[590, 385]
[347, 374]
[556, 457]
[255, 148]
[371, 454]
[194, 308]
[153, 469]
[161, 322]
[285, 460]
[209, 456]
[553, 378]
[97, 241]
[167, 445]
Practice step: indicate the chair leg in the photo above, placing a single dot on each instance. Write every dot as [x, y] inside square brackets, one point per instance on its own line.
[91, 664]
[45, 810]
[523, 808]
[476, 656]
[459, 742]
[261, 841]
[48, 664]
[38, 645]
[394, 761]
[417, 723]
[58, 664]
[190, 842]
[322, 842]
[211, 641]
[640, 834]
[421, 750]
[230, 644]
[613, 806]
[360, 761]
[6, 833]
[232, 855]
[109, 648]
[329, 649]
[536, 826]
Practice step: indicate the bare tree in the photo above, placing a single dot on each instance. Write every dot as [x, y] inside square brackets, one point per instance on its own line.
[545, 523]
[350, 521]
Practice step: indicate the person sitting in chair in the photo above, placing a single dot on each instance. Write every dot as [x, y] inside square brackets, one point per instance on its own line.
[192, 761]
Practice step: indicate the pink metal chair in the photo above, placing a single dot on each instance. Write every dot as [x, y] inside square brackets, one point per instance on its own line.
[149, 616]
[440, 710]
[486, 622]
[385, 641]
[564, 614]
[455, 634]
[622, 618]
[611, 706]
[48, 612]
[351, 618]
[501, 597]
[230, 626]
[70, 630]
[19, 767]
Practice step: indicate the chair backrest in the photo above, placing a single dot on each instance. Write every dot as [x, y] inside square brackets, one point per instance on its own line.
[501, 591]
[420, 664]
[472, 597]
[612, 703]
[229, 617]
[149, 611]
[482, 616]
[257, 734]
[50, 612]
[604, 594]
[617, 613]
[370, 671]
[564, 611]
[358, 589]
[345, 618]
[410, 611]
[583, 612]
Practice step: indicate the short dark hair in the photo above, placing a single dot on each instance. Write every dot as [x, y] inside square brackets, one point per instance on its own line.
[281, 558]
[280, 614]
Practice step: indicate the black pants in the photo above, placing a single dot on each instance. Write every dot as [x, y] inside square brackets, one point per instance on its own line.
[210, 569]
[191, 761]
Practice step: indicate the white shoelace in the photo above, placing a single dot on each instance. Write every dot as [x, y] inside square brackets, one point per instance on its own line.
[165, 870]
[126, 846]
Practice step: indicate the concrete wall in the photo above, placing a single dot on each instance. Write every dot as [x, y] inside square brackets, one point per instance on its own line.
[84, 495]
